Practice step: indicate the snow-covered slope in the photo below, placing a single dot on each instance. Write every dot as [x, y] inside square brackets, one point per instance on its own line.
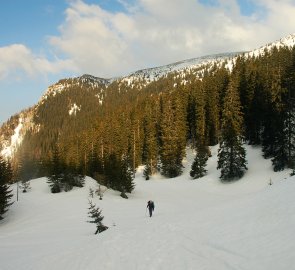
[288, 41]
[88, 81]
[145, 76]
[153, 74]
[17, 127]
[197, 224]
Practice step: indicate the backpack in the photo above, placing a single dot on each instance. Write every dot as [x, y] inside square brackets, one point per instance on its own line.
[152, 204]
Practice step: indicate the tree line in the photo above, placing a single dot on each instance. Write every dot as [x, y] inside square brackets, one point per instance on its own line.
[151, 125]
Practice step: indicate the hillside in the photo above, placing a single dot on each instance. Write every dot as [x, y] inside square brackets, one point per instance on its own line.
[71, 101]
[200, 224]
[96, 89]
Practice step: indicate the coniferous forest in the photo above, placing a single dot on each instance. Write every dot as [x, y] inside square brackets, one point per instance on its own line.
[120, 126]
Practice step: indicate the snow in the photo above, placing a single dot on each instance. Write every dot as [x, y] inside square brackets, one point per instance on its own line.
[288, 41]
[87, 80]
[197, 224]
[74, 109]
[153, 74]
[149, 75]
[15, 141]
[100, 99]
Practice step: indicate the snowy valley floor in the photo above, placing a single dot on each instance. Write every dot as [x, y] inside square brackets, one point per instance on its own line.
[197, 224]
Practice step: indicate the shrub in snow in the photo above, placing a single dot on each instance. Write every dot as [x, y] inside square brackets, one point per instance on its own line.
[25, 186]
[65, 181]
[62, 176]
[147, 172]
[100, 191]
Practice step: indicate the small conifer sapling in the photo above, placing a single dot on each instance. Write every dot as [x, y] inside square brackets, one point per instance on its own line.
[96, 217]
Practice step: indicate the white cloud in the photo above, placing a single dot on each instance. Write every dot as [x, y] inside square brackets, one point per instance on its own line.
[17, 60]
[155, 32]
[95, 39]
[280, 16]
[150, 33]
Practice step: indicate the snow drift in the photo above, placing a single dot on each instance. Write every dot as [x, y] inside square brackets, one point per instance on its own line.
[197, 224]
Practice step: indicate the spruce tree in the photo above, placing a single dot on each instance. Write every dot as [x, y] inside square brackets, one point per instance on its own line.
[96, 218]
[290, 126]
[173, 136]
[126, 176]
[150, 146]
[290, 121]
[214, 87]
[54, 179]
[198, 167]
[191, 116]
[254, 105]
[280, 147]
[282, 99]
[284, 142]
[202, 151]
[273, 124]
[112, 172]
[94, 164]
[147, 171]
[5, 192]
[231, 153]
[72, 176]
[28, 165]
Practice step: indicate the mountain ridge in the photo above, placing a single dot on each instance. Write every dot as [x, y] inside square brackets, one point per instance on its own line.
[11, 138]
[154, 73]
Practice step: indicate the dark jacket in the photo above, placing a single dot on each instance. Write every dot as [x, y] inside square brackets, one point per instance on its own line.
[151, 205]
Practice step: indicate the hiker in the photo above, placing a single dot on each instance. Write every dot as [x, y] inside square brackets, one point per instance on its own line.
[151, 207]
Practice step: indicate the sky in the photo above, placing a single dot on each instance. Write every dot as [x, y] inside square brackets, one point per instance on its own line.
[44, 41]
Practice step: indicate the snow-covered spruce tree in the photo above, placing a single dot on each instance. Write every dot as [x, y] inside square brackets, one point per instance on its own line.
[5, 192]
[231, 153]
[96, 218]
